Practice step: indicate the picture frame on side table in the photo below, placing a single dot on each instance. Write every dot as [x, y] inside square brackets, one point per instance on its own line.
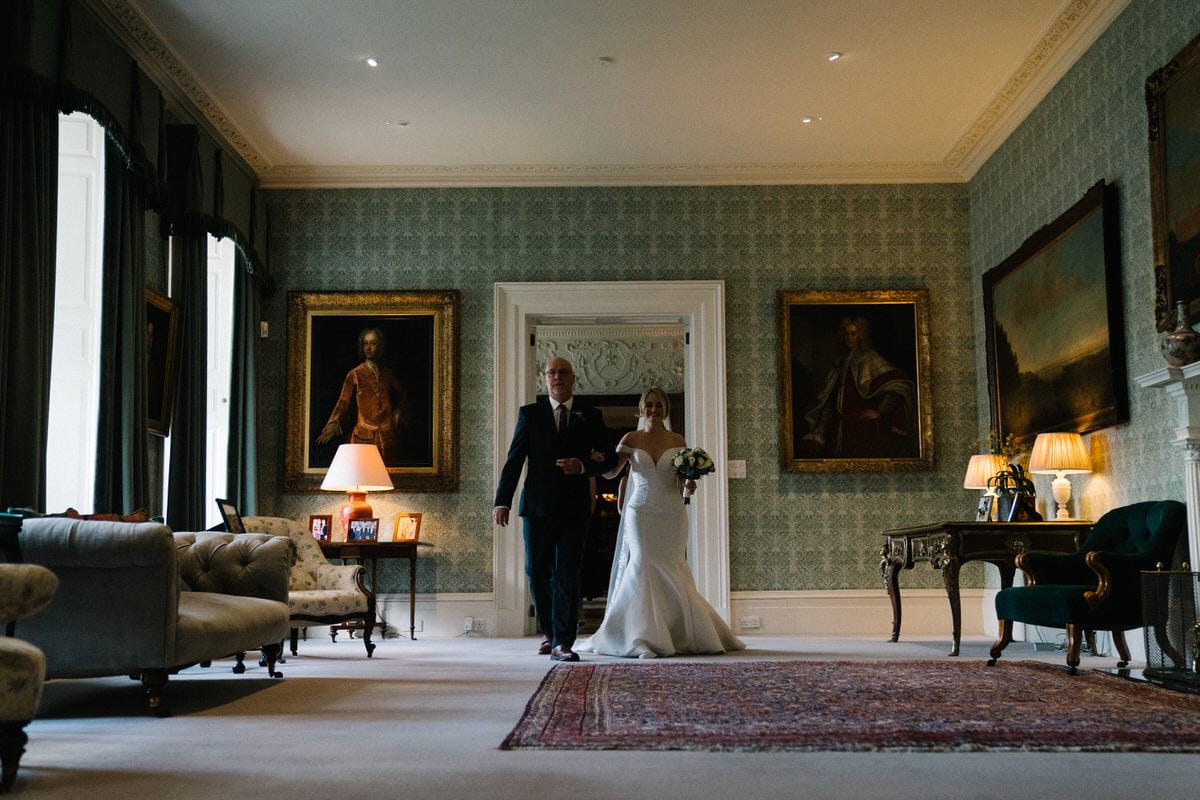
[885, 336]
[412, 338]
[1055, 326]
[1174, 133]
[162, 336]
[363, 530]
[984, 512]
[321, 527]
[407, 527]
[230, 516]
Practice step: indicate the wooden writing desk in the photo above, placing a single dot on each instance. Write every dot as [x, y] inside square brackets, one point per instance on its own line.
[946, 546]
[372, 551]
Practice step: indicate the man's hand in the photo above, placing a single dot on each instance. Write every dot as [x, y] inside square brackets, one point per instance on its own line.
[500, 516]
[569, 466]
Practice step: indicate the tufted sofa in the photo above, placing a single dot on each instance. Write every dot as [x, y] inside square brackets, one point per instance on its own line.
[135, 599]
[320, 593]
[25, 589]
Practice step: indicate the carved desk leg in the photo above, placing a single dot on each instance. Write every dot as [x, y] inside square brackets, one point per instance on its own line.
[891, 578]
[950, 579]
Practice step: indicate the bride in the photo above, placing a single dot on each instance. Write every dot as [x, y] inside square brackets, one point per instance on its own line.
[653, 607]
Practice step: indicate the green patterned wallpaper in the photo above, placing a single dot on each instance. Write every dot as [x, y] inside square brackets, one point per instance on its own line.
[1091, 126]
[787, 531]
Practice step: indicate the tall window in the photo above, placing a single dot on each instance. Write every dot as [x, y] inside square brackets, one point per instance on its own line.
[220, 357]
[75, 358]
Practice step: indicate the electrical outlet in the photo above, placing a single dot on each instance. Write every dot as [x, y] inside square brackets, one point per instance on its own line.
[468, 624]
[477, 625]
[750, 622]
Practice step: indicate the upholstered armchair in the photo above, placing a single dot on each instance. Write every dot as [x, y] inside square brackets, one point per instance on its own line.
[25, 589]
[1099, 587]
[320, 593]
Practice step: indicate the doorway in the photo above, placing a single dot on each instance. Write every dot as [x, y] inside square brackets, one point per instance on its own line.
[699, 307]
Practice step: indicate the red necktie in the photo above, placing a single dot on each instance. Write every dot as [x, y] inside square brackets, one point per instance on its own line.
[562, 418]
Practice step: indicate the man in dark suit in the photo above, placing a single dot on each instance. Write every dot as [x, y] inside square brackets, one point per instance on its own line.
[563, 444]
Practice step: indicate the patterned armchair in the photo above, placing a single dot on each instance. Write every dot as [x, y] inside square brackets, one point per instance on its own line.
[24, 590]
[320, 593]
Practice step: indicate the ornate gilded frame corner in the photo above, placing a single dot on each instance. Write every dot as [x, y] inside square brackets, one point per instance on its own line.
[421, 331]
[1174, 136]
[810, 342]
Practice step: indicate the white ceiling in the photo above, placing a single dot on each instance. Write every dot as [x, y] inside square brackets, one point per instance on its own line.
[515, 92]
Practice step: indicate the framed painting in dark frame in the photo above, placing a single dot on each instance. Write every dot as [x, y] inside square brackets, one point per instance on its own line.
[1055, 326]
[1172, 92]
[162, 335]
[883, 336]
[415, 370]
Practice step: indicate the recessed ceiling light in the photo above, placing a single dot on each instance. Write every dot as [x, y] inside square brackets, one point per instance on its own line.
[372, 61]
[832, 55]
[400, 123]
[602, 60]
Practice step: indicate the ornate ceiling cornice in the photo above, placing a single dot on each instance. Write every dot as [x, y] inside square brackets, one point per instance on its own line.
[1075, 30]
[184, 92]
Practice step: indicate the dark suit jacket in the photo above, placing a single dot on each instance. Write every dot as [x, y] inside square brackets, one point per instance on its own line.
[536, 441]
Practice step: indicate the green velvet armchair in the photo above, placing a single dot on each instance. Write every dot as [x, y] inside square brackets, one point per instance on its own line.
[1099, 587]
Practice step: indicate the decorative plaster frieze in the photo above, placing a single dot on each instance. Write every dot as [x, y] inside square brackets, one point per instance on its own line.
[616, 359]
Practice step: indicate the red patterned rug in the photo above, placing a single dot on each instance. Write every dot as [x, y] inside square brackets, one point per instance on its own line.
[850, 705]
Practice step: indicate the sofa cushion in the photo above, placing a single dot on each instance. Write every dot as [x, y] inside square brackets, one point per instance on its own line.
[211, 623]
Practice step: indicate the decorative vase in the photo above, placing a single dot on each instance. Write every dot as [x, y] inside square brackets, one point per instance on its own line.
[1182, 345]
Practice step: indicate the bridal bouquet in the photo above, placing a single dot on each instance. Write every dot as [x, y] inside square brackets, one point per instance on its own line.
[692, 464]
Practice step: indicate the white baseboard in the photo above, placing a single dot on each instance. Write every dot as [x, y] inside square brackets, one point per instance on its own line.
[853, 612]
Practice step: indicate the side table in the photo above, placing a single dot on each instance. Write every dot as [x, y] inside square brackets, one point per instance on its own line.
[372, 552]
[946, 546]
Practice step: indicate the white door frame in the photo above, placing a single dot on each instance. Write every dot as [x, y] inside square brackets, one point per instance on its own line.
[700, 307]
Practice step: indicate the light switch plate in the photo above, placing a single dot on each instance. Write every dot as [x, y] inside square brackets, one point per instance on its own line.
[737, 469]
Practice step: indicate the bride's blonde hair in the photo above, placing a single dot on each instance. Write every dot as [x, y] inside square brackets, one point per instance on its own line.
[666, 401]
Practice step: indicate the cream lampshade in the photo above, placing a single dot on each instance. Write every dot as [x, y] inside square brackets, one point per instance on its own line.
[980, 471]
[1060, 454]
[356, 470]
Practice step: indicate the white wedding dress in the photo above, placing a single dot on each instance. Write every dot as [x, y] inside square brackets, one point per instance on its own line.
[653, 608]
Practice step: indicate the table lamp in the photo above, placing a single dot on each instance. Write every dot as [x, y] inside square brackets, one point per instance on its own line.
[981, 469]
[356, 470]
[1060, 454]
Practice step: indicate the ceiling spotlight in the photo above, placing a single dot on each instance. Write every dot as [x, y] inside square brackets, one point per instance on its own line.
[832, 56]
[400, 123]
[602, 60]
[372, 61]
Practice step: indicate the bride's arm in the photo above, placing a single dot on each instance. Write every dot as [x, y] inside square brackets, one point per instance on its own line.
[622, 459]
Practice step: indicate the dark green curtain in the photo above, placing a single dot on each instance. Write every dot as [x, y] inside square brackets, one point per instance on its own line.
[187, 499]
[122, 471]
[28, 227]
[243, 417]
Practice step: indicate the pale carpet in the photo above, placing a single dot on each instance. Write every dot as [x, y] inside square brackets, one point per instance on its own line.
[425, 719]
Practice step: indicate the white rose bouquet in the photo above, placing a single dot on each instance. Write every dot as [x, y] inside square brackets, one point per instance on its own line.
[691, 464]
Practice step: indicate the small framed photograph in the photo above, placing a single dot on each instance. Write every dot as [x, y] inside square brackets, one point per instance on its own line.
[229, 513]
[363, 530]
[984, 513]
[407, 528]
[321, 526]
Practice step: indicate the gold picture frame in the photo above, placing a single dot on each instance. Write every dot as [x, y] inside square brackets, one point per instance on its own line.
[1174, 128]
[407, 527]
[418, 363]
[893, 430]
